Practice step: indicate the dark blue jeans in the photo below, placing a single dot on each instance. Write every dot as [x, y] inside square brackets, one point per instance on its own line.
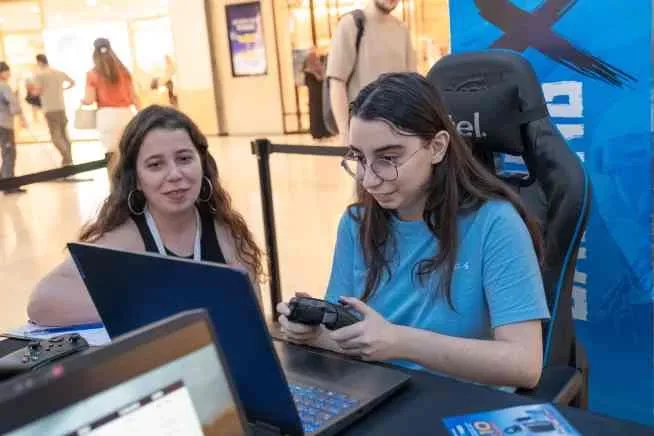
[8, 152]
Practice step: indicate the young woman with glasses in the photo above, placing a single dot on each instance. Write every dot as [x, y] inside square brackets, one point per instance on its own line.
[438, 255]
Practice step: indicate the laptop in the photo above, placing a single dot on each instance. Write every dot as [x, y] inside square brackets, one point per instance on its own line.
[284, 388]
[166, 378]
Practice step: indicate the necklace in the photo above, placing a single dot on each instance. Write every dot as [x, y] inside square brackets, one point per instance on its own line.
[152, 225]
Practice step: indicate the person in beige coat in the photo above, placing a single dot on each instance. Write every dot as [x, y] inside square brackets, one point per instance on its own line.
[165, 197]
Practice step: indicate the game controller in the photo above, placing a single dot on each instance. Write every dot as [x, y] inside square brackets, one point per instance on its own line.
[312, 311]
[40, 353]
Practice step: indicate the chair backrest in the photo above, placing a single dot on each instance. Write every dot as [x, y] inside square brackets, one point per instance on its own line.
[557, 189]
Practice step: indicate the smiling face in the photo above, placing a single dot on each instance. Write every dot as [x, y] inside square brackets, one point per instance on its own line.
[169, 171]
[404, 190]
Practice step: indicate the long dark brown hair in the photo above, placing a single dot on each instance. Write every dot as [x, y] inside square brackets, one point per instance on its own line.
[106, 63]
[115, 211]
[458, 185]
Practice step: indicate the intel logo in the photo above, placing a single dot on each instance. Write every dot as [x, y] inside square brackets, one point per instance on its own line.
[469, 128]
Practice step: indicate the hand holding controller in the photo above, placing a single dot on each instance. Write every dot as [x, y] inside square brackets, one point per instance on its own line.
[312, 311]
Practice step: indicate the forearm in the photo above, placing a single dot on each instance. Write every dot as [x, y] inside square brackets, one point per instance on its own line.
[493, 362]
[89, 95]
[51, 310]
[61, 298]
[14, 106]
[21, 116]
[339, 103]
[136, 101]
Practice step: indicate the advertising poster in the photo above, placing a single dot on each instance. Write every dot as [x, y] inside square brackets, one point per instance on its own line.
[594, 62]
[541, 419]
[246, 44]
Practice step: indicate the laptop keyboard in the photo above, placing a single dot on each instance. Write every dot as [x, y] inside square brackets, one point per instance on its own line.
[316, 406]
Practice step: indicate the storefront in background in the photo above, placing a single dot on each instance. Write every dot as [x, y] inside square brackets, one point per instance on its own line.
[139, 30]
[303, 25]
[278, 34]
[144, 33]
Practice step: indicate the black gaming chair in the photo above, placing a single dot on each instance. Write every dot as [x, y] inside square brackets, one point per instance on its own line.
[555, 188]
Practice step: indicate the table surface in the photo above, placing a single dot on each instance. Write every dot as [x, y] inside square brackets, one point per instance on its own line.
[418, 408]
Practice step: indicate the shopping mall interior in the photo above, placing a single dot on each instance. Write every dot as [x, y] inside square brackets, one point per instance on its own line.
[152, 37]
[240, 87]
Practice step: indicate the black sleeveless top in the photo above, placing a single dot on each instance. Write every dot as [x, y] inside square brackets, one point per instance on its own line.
[209, 246]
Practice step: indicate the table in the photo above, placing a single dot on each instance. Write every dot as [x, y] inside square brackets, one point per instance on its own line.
[419, 408]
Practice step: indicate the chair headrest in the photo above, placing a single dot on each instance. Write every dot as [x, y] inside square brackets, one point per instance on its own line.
[490, 95]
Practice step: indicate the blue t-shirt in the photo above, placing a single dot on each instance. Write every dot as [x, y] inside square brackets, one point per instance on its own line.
[496, 280]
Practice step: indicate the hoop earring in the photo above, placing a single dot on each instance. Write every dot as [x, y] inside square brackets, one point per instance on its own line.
[132, 209]
[208, 197]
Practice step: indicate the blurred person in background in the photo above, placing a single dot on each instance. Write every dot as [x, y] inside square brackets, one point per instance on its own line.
[385, 47]
[33, 100]
[314, 75]
[9, 108]
[109, 84]
[165, 79]
[49, 85]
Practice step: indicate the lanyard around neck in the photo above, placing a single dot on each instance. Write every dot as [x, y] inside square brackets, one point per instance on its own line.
[154, 231]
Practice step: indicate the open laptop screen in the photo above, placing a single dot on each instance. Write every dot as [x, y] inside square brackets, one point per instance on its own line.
[168, 410]
[158, 286]
[188, 395]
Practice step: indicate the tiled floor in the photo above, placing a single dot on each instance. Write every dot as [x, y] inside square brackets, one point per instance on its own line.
[310, 193]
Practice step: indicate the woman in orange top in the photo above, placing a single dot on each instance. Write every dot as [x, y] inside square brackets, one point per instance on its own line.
[109, 84]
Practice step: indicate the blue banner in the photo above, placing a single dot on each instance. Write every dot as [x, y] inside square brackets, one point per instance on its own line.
[593, 60]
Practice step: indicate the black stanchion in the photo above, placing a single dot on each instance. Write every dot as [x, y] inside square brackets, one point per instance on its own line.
[49, 175]
[313, 150]
[263, 148]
